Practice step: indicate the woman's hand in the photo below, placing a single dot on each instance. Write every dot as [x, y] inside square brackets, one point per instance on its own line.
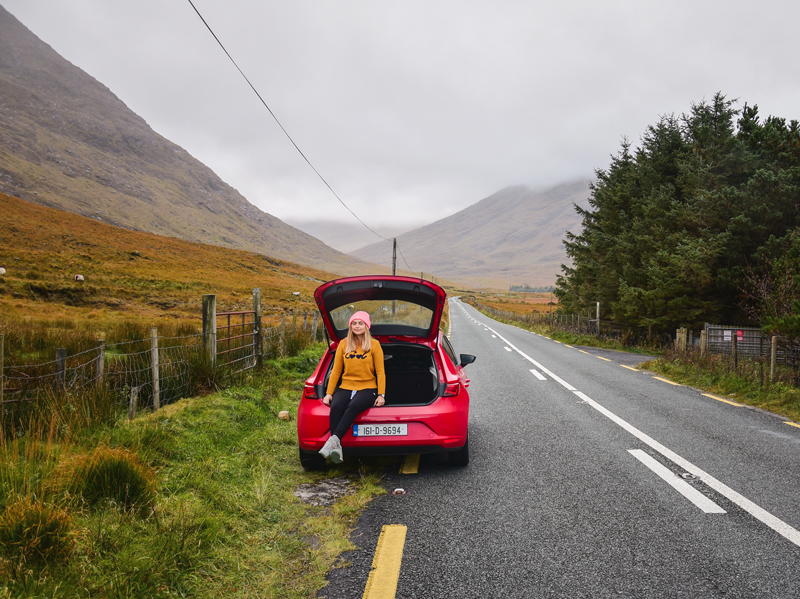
[379, 401]
[327, 399]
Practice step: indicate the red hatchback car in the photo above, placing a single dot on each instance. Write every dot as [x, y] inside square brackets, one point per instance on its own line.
[427, 404]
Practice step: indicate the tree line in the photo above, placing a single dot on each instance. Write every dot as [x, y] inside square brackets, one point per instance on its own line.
[700, 223]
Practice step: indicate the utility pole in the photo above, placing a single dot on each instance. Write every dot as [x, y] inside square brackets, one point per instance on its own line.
[394, 264]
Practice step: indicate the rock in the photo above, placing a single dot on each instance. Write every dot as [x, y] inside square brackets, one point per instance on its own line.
[284, 415]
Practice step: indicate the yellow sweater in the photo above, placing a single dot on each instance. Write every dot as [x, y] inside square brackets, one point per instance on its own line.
[362, 370]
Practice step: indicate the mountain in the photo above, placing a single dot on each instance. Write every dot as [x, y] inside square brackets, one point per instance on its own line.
[345, 237]
[67, 142]
[513, 237]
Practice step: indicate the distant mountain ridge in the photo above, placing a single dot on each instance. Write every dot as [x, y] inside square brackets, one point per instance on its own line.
[513, 237]
[67, 142]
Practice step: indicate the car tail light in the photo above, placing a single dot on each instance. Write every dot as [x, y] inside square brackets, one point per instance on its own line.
[310, 391]
[451, 390]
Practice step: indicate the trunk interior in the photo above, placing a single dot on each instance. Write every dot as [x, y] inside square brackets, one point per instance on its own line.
[411, 374]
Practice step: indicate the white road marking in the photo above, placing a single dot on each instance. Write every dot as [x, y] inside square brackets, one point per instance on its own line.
[507, 348]
[538, 375]
[681, 486]
[775, 523]
[494, 336]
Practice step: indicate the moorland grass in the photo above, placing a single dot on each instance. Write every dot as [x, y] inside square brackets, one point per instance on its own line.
[223, 519]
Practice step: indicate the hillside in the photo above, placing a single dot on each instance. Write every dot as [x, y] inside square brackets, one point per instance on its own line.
[512, 237]
[130, 275]
[67, 142]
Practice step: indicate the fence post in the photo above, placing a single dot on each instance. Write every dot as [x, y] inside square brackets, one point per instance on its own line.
[773, 357]
[598, 319]
[735, 352]
[210, 327]
[61, 367]
[283, 334]
[154, 361]
[294, 323]
[314, 325]
[703, 342]
[100, 363]
[259, 340]
[305, 321]
[2, 366]
[133, 403]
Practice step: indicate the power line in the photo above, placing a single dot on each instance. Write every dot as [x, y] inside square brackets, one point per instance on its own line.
[401, 255]
[281, 126]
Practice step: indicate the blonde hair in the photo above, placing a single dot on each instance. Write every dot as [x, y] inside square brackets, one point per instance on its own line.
[351, 342]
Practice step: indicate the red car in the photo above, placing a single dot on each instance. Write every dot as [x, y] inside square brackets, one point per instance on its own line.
[427, 404]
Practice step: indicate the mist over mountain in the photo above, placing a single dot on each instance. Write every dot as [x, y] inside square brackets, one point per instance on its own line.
[67, 142]
[513, 237]
[346, 237]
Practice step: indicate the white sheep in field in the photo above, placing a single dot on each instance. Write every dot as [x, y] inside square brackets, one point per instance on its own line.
[2, 271]
[295, 293]
[79, 278]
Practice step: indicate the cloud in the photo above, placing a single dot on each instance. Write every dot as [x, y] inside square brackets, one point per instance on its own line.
[414, 110]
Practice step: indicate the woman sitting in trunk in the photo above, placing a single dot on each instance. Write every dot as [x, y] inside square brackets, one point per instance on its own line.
[359, 361]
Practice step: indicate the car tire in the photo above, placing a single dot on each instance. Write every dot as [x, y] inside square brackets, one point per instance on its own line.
[311, 460]
[460, 457]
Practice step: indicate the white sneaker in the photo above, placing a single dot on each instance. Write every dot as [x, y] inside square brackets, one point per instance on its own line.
[337, 455]
[329, 445]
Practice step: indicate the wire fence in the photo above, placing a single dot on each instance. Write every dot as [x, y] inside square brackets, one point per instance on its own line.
[149, 373]
[744, 350]
[578, 324]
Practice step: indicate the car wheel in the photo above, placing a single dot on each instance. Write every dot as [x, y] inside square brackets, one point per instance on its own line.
[311, 460]
[460, 457]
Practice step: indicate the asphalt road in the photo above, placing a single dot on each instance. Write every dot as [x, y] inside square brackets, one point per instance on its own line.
[561, 498]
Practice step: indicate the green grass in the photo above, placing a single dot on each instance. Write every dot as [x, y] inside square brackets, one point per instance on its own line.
[224, 521]
[748, 384]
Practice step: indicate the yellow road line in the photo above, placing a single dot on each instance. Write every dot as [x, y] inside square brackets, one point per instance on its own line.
[556, 341]
[584, 352]
[738, 405]
[629, 367]
[658, 378]
[602, 358]
[569, 346]
[410, 464]
[792, 424]
[382, 581]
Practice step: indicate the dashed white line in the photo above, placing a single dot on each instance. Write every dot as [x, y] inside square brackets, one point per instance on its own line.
[538, 375]
[681, 486]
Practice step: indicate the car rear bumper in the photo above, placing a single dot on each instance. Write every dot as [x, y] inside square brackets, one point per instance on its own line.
[441, 429]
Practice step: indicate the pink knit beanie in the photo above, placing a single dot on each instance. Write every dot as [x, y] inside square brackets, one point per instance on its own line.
[360, 315]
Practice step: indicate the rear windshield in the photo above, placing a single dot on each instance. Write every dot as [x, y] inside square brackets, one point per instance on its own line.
[386, 312]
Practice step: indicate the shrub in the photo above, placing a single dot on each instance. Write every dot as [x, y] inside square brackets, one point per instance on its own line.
[31, 532]
[110, 474]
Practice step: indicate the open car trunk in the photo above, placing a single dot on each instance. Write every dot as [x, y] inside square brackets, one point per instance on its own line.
[412, 378]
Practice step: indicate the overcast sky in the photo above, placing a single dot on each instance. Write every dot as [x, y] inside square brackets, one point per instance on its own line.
[414, 110]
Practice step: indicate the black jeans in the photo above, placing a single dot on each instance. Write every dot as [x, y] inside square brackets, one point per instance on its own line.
[344, 410]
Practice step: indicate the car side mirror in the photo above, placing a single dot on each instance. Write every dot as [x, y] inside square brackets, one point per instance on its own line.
[466, 359]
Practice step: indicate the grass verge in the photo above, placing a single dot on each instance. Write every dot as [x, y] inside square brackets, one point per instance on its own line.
[224, 520]
[748, 384]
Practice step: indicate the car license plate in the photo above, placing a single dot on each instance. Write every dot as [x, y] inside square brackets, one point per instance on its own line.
[380, 430]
